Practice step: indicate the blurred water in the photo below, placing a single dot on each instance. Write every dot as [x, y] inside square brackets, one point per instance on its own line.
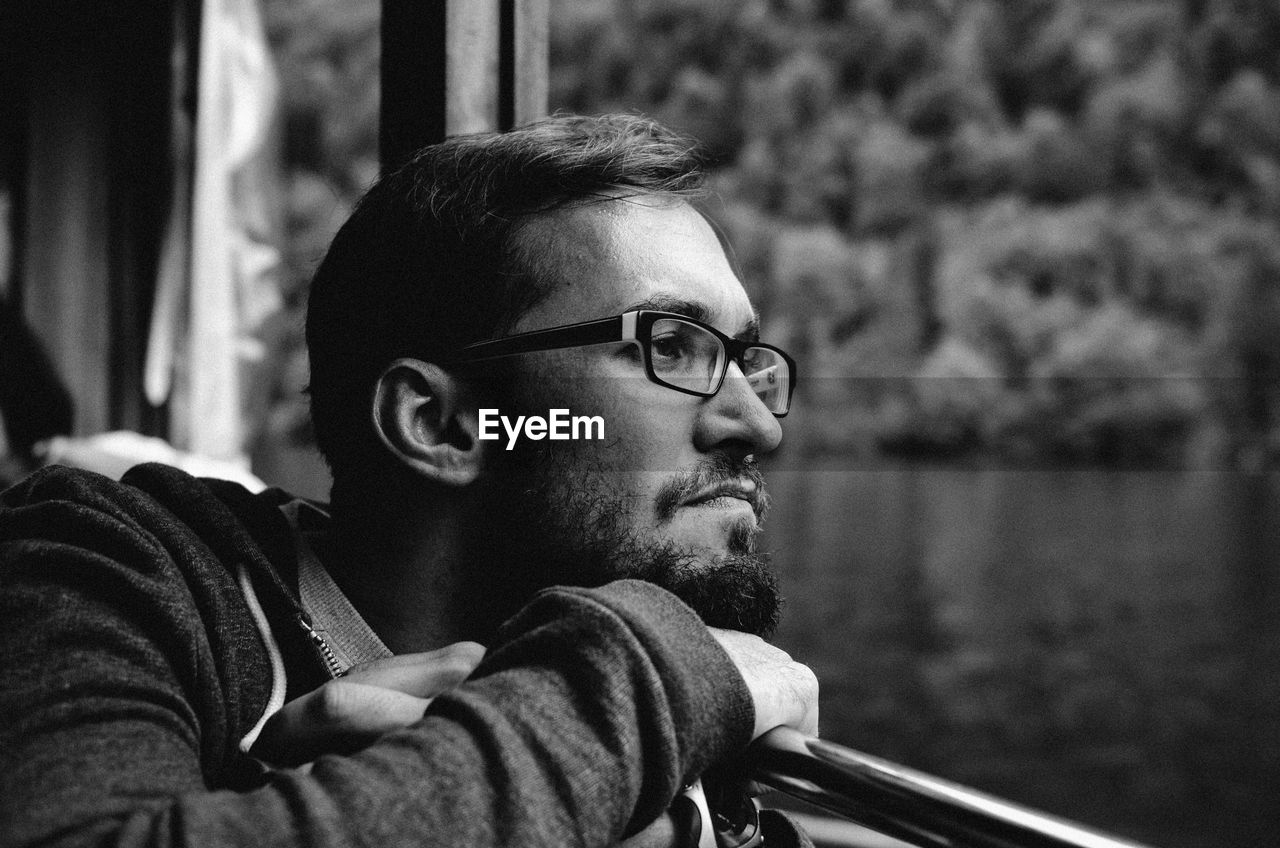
[1102, 645]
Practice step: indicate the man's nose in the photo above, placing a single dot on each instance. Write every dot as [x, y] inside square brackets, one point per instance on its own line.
[736, 414]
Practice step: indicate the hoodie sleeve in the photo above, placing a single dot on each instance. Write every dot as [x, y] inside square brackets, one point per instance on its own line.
[116, 707]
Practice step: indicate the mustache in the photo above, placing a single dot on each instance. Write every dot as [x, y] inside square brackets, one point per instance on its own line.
[716, 469]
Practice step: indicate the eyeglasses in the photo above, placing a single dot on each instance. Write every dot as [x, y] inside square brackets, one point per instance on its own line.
[679, 353]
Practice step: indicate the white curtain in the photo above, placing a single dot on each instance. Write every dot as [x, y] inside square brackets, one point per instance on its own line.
[217, 280]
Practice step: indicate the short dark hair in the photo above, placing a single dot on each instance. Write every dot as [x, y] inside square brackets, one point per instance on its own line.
[430, 260]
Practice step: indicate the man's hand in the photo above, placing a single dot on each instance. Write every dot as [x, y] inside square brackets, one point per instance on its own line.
[784, 691]
[345, 715]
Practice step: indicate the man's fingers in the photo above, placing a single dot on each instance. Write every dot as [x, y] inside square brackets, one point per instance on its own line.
[423, 675]
[338, 718]
[374, 698]
[783, 691]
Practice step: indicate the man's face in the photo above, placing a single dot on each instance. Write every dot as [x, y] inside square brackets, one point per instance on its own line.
[671, 493]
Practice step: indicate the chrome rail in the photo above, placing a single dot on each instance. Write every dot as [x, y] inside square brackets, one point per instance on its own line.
[906, 804]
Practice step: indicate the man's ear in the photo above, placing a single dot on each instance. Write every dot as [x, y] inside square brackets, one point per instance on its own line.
[425, 417]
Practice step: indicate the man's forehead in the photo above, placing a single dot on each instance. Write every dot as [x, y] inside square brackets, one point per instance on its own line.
[644, 252]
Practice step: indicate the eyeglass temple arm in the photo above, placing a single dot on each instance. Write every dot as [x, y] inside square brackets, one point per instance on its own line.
[575, 335]
[906, 804]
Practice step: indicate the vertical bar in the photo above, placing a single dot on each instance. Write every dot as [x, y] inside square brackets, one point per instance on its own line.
[137, 141]
[506, 64]
[459, 66]
[13, 149]
[65, 265]
[531, 63]
[471, 75]
[413, 77]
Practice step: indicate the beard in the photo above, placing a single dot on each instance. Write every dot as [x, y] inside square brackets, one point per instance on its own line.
[541, 524]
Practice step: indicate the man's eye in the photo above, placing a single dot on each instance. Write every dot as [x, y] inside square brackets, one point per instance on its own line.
[667, 347]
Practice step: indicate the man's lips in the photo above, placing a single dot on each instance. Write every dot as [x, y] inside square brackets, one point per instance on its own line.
[742, 489]
[717, 482]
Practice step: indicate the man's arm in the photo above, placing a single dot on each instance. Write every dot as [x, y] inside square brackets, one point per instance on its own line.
[578, 729]
[376, 698]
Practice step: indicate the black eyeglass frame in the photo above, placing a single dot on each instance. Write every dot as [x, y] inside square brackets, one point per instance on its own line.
[634, 326]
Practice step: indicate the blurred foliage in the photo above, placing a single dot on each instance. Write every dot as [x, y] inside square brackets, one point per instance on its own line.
[1043, 229]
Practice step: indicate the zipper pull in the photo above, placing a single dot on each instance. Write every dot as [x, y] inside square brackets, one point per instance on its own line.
[322, 648]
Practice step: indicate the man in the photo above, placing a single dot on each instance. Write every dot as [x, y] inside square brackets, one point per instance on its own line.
[165, 637]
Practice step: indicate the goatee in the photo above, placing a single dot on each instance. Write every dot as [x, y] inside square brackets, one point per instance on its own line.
[538, 526]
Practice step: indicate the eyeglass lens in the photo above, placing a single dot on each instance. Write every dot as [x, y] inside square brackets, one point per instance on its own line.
[686, 356]
[768, 374]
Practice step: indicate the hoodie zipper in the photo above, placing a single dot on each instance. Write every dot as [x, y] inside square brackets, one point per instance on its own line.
[322, 647]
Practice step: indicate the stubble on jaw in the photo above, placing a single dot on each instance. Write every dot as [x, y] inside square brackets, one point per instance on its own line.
[542, 523]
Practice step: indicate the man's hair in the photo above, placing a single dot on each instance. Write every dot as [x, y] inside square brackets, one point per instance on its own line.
[431, 259]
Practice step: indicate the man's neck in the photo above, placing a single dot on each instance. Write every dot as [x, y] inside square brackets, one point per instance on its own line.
[404, 578]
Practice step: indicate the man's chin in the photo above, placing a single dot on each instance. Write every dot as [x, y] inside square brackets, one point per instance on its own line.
[731, 586]
[555, 531]
[734, 592]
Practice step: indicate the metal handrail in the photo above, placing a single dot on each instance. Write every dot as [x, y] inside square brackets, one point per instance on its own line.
[906, 804]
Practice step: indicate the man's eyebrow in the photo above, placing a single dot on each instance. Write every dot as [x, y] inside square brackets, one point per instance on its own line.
[677, 305]
[696, 311]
